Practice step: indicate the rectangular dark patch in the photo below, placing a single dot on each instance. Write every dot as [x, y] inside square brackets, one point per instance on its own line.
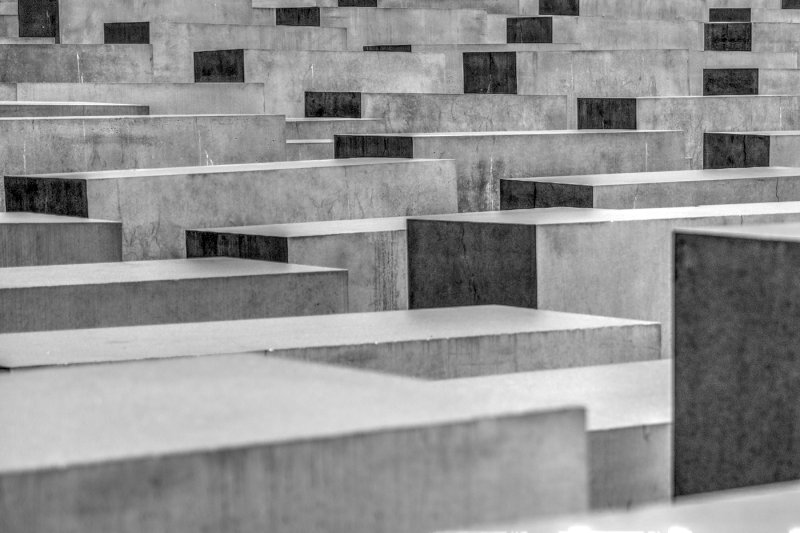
[219, 66]
[212, 244]
[38, 18]
[490, 73]
[358, 3]
[728, 37]
[729, 14]
[529, 30]
[790, 4]
[607, 113]
[333, 104]
[388, 48]
[730, 81]
[126, 33]
[559, 7]
[297, 16]
[50, 196]
[563, 195]
[349, 146]
[732, 150]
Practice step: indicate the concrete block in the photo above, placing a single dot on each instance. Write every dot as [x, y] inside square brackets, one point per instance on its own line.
[93, 295]
[735, 398]
[484, 158]
[729, 14]
[529, 30]
[308, 149]
[387, 48]
[68, 109]
[701, 61]
[563, 259]
[730, 81]
[490, 72]
[28, 239]
[607, 113]
[297, 16]
[778, 81]
[654, 189]
[729, 36]
[751, 149]
[559, 7]
[333, 104]
[219, 66]
[126, 33]
[176, 444]
[38, 18]
[326, 128]
[155, 206]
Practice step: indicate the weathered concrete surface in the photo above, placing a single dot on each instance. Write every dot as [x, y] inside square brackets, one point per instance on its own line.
[369, 446]
[601, 262]
[110, 63]
[654, 189]
[775, 37]
[155, 206]
[309, 149]
[373, 251]
[735, 397]
[93, 295]
[37, 145]
[607, 33]
[706, 60]
[28, 239]
[484, 158]
[612, 9]
[68, 109]
[629, 418]
[427, 343]
[778, 81]
[421, 113]
[326, 128]
[751, 148]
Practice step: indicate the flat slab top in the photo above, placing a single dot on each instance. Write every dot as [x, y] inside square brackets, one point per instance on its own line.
[18, 103]
[223, 169]
[95, 413]
[19, 350]
[784, 133]
[577, 215]
[534, 133]
[314, 229]
[615, 396]
[672, 176]
[770, 507]
[146, 271]
[37, 218]
[789, 232]
[106, 118]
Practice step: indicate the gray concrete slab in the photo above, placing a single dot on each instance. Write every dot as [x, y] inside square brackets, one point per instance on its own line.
[433, 344]
[28, 239]
[593, 261]
[199, 434]
[759, 60]
[68, 109]
[326, 128]
[94, 295]
[155, 206]
[778, 81]
[654, 189]
[629, 420]
[751, 148]
[484, 158]
[309, 149]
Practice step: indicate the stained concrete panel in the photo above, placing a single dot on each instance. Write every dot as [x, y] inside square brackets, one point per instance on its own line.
[559, 7]
[333, 104]
[76, 63]
[155, 206]
[41, 298]
[126, 33]
[219, 66]
[729, 36]
[28, 239]
[563, 259]
[297, 16]
[529, 30]
[38, 18]
[731, 14]
[751, 149]
[730, 81]
[484, 158]
[490, 73]
[178, 445]
[735, 405]
[700, 61]
[67, 109]
[607, 113]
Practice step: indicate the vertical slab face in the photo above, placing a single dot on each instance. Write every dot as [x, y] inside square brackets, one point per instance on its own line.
[490, 72]
[519, 194]
[219, 66]
[729, 37]
[387, 48]
[453, 263]
[297, 16]
[607, 113]
[126, 33]
[529, 30]
[349, 146]
[559, 7]
[358, 3]
[38, 18]
[790, 4]
[737, 376]
[213, 244]
[730, 81]
[52, 196]
[729, 14]
[333, 104]
[730, 150]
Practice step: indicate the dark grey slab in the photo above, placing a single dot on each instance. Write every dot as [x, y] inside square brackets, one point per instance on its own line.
[607, 113]
[333, 104]
[729, 14]
[126, 33]
[297, 16]
[52, 196]
[222, 66]
[790, 4]
[350, 146]
[515, 194]
[729, 37]
[735, 150]
[730, 81]
[490, 72]
[529, 30]
[38, 18]
[201, 243]
[388, 48]
[358, 3]
[559, 7]
[737, 360]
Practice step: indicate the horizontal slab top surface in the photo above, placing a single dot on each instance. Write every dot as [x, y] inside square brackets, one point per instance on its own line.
[774, 133]
[18, 350]
[20, 103]
[789, 232]
[146, 271]
[37, 218]
[143, 118]
[615, 396]
[532, 133]
[96, 413]
[314, 229]
[672, 176]
[222, 169]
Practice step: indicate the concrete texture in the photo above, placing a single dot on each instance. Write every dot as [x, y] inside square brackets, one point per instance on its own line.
[28, 239]
[93, 295]
[180, 442]
[309, 149]
[326, 128]
[113, 63]
[483, 159]
[730, 81]
[564, 259]
[422, 113]
[751, 148]
[778, 81]
[728, 37]
[68, 109]
[736, 397]
[629, 418]
[654, 189]
[155, 206]
[333, 104]
[700, 61]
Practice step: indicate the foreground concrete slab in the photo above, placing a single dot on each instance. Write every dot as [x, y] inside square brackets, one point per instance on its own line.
[629, 418]
[563, 259]
[307, 433]
[76, 63]
[68, 109]
[751, 149]
[42, 298]
[737, 287]
[654, 189]
[28, 239]
[484, 158]
[155, 206]
[428, 343]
